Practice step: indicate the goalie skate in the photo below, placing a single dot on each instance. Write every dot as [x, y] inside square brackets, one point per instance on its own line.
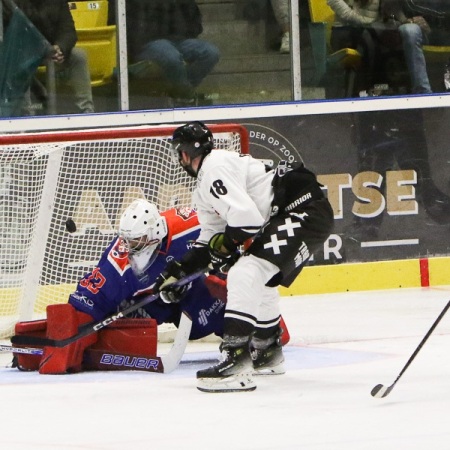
[232, 374]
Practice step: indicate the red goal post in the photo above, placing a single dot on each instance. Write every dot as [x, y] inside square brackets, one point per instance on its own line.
[90, 176]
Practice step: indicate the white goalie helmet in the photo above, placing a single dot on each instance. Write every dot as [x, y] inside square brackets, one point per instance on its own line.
[143, 229]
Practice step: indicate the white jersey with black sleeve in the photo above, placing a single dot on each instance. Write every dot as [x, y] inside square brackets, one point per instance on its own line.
[233, 192]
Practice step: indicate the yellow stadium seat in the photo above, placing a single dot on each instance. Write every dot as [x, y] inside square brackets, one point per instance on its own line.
[96, 37]
[439, 53]
[89, 14]
[100, 45]
[322, 18]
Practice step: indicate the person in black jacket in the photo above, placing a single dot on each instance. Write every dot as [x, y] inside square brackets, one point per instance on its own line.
[166, 32]
[54, 20]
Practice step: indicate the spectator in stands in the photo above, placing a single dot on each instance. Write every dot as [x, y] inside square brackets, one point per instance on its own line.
[281, 12]
[376, 26]
[54, 20]
[166, 32]
[436, 13]
[414, 32]
[352, 19]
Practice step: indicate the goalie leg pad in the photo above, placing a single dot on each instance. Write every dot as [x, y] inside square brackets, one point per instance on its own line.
[95, 359]
[129, 336]
[63, 322]
[285, 337]
[217, 287]
[137, 336]
[128, 344]
[35, 328]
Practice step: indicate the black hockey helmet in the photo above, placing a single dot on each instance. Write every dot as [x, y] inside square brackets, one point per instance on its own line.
[194, 138]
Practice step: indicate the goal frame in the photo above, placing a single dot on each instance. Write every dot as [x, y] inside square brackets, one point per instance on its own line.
[36, 256]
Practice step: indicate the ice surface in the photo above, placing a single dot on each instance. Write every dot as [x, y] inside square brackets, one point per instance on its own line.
[342, 345]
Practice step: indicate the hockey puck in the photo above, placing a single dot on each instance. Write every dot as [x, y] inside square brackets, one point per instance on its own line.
[70, 226]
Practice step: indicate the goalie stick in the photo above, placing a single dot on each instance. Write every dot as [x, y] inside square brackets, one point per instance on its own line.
[381, 391]
[87, 329]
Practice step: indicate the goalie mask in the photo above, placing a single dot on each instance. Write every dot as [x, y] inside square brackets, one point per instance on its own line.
[195, 139]
[143, 229]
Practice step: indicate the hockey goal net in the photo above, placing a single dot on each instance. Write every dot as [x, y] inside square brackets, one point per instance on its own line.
[90, 177]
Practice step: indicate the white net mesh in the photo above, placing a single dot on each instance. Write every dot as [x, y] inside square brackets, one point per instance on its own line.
[90, 177]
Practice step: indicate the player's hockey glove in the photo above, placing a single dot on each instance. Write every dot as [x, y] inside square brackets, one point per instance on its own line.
[223, 252]
[171, 274]
[173, 294]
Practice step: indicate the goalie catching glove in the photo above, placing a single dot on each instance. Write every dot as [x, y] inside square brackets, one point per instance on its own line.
[223, 252]
[172, 273]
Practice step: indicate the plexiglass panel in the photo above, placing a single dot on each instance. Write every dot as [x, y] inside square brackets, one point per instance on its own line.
[164, 54]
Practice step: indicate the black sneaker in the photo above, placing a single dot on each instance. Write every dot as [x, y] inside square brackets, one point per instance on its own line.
[232, 374]
[268, 361]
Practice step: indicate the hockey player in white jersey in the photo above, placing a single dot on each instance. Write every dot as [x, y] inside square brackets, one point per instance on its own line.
[285, 216]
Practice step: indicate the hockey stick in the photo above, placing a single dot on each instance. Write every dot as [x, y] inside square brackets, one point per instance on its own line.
[380, 391]
[171, 360]
[87, 329]
[23, 350]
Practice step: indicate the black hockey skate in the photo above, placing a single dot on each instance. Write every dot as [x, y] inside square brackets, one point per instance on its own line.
[232, 374]
[269, 360]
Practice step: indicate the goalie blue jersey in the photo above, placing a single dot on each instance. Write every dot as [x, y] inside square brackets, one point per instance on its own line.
[113, 282]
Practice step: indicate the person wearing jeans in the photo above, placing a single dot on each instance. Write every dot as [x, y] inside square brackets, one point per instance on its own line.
[375, 19]
[75, 72]
[184, 62]
[414, 31]
[166, 32]
[413, 38]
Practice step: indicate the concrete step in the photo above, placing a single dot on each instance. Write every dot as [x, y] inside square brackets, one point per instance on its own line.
[236, 37]
[249, 82]
[260, 62]
[253, 73]
[219, 10]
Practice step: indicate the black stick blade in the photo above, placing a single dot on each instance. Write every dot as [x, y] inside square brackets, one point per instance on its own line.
[380, 391]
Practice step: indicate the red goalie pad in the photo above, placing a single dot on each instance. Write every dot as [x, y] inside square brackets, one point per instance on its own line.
[217, 287]
[135, 337]
[63, 322]
[285, 336]
[35, 328]
[128, 344]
